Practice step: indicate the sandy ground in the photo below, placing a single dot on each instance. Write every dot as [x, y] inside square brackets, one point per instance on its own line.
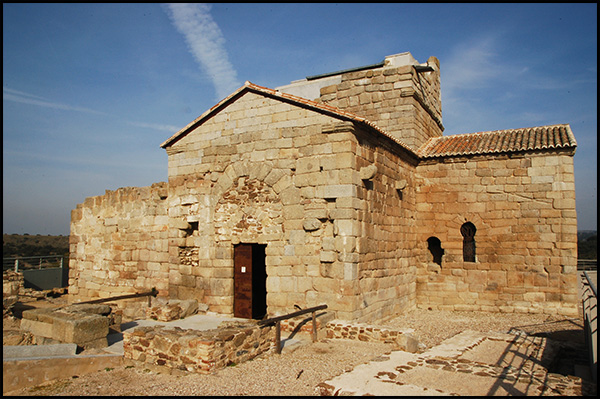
[299, 372]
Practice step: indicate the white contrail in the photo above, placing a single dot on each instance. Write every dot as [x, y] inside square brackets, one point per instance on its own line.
[206, 43]
[31, 99]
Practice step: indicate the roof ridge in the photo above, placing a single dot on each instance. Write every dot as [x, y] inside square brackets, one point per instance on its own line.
[502, 130]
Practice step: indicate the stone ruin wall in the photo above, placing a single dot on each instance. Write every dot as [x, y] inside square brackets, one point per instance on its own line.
[523, 207]
[119, 245]
[402, 102]
[200, 351]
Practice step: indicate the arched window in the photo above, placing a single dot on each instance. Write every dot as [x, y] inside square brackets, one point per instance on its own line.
[435, 247]
[468, 231]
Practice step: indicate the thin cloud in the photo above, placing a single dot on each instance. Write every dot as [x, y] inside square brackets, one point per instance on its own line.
[166, 128]
[472, 65]
[25, 98]
[206, 44]
[70, 161]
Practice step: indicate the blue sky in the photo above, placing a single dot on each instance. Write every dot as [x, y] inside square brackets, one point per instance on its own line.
[90, 91]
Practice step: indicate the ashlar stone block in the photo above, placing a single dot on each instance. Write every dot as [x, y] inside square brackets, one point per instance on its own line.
[311, 224]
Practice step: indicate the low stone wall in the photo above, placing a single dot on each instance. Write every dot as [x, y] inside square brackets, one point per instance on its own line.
[12, 283]
[403, 340]
[300, 325]
[197, 351]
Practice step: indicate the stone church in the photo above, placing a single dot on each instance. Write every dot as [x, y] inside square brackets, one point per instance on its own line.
[340, 189]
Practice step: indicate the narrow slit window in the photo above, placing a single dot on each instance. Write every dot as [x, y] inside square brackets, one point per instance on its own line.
[468, 231]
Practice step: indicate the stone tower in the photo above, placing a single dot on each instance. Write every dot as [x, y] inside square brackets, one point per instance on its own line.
[399, 95]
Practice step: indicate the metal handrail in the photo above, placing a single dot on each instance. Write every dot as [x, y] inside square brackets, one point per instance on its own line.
[273, 320]
[587, 264]
[153, 293]
[20, 262]
[277, 321]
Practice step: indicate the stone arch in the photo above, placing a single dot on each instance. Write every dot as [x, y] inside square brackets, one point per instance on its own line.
[276, 178]
[271, 186]
[249, 201]
[248, 211]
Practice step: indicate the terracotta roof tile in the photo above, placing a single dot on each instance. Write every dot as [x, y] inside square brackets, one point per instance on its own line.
[498, 141]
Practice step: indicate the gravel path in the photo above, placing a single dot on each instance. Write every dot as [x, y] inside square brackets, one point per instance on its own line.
[297, 372]
[292, 373]
[433, 326]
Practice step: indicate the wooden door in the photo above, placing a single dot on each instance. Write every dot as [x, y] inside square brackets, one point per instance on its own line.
[242, 281]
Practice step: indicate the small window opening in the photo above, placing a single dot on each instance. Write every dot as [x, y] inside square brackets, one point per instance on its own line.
[435, 247]
[193, 227]
[468, 231]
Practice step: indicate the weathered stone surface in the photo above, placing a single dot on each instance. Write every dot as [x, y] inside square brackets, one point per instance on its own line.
[179, 224]
[368, 172]
[197, 351]
[172, 309]
[87, 330]
[311, 224]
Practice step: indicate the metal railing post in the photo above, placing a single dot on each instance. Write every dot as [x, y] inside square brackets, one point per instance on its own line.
[277, 320]
[314, 327]
[278, 337]
[17, 265]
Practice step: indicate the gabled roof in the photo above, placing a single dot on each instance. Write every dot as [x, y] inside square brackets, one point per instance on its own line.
[500, 141]
[289, 98]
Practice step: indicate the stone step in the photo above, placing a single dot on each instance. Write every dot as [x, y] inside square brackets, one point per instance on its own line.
[39, 351]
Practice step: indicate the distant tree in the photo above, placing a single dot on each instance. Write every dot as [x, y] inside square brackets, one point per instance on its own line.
[588, 248]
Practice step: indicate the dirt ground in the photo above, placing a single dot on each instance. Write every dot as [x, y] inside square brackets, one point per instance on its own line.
[297, 372]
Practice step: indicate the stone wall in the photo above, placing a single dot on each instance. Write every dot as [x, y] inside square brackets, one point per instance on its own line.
[119, 245]
[523, 208]
[385, 232]
[269, 173]
[403, 102]
[295, 185]
[347, 216]
[194, 350]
